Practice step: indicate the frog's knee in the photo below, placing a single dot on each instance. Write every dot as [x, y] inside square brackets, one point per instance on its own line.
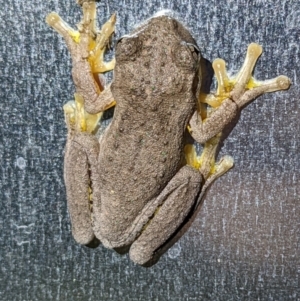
[140, 253]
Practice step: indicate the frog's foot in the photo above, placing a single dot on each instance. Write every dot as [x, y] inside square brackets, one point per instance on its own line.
[231, 95]
[87, 46]
[242, 88]
[206, 163]
[88, 42]
[77, 119]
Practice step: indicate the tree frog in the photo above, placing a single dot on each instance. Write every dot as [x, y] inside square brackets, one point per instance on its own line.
[135, 185]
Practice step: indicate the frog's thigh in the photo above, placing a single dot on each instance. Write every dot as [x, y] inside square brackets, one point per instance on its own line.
[170, 215]
[80, 162]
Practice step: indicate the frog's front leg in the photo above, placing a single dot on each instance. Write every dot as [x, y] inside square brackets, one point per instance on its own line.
[231, 96]
[87, 47]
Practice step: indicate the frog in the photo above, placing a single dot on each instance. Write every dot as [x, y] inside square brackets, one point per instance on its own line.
[134, 186]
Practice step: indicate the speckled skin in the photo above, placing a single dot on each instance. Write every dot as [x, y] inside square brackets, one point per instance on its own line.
[141, 190]
[139, 165]
[155, 94]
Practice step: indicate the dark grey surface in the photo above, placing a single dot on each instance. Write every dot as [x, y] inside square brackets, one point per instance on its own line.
[244, 244]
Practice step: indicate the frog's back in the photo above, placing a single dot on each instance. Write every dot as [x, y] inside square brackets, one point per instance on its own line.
[155, 87]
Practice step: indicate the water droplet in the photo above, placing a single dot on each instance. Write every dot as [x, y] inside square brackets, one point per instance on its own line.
[21, 163]
[174, 251]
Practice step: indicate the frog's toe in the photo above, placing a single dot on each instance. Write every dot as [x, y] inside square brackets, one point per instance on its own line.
[276, 84]
[243, 78]
[63, 28]
[70, 113]
[88, 41]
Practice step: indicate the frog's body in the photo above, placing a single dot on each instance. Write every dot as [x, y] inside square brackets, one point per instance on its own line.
[136, 161]
[136, 176]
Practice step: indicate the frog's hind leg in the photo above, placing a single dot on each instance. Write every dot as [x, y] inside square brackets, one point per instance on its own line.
[206, 163]
[178, 199]
[80, 165]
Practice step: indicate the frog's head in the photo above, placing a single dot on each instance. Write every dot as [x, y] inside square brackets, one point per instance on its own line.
[159, 57]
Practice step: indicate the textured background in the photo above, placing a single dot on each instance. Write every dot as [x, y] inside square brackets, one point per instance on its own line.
[244, 243]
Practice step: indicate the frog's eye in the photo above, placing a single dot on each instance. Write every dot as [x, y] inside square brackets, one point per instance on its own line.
[187, 56]
[127, 48]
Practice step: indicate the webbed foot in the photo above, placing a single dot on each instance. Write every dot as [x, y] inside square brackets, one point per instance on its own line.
[206, 162]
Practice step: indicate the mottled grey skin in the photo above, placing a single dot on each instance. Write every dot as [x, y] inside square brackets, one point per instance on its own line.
[155, 85]
[141, 190]
[137, 167]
